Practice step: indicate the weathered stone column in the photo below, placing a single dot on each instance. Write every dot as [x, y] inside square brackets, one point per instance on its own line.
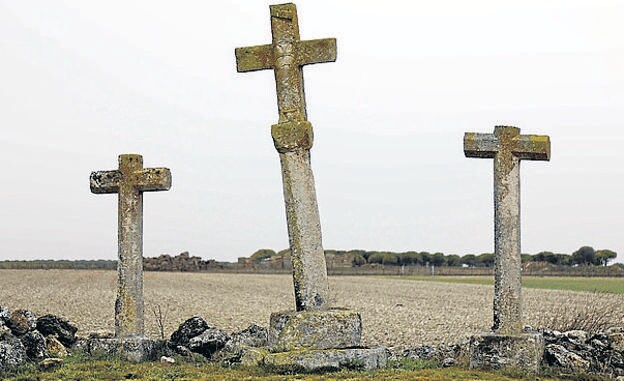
[507, 278]
[130, 181]
[507, 147]
[306, 335]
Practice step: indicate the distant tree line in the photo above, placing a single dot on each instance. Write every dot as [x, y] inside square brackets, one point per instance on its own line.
[584, 256]
[52, 264]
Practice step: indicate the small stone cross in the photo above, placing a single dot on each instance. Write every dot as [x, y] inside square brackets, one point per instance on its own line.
[130, 181]
[507, 147]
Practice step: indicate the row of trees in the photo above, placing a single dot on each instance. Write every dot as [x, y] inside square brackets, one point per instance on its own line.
[584, 256]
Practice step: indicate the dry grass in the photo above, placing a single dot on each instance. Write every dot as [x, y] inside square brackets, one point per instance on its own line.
[396, 313]
[593, 314]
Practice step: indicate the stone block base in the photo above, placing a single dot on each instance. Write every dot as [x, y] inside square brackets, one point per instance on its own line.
[326, 360]
[492, 351]
[135, 349]
[326, 329]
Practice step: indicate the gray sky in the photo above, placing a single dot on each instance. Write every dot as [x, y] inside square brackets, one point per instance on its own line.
[83, 81]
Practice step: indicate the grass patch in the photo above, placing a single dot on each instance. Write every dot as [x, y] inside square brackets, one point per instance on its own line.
[117, 370]
[610, 285]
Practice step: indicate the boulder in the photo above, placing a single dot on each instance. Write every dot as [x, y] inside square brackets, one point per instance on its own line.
[62, 329]
[209, 341]
[423, 352]
[189, 329]
[50, 363]
[576, 336]
[242, 342]
[616, 340]
[167, 360]
[5, 331]
[22, 321]
[5, 315]
[55, 348]
[252, 336]
[558, 355]
[35, 345]
[12, 353]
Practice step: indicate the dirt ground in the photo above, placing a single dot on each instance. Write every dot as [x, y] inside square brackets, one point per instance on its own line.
[396, 313]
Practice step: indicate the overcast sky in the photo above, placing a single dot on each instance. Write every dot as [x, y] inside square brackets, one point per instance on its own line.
[83, 81]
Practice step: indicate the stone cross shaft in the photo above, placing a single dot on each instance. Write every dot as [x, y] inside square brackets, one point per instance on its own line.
[130, 181]
[507, 147]
[293, 137]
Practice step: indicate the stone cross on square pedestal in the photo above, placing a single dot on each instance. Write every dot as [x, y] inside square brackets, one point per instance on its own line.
[507, 147]
[315, 336]
[130, 181]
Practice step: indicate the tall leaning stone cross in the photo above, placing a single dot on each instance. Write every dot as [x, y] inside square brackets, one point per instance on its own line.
[130, 181]
[292, 137]
[507, 147]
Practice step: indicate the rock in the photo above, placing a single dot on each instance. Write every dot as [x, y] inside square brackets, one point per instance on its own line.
[448, 362]
[167, 360]
[5, 331]
[12, 353]
[209, 341]
[616, 341]
[242, 342]
[55, 348]
[252, 336]
[53, 325]
[253, 357]
[558, 355]
[35, 345]
[309, 361]
[423, 352]
[576, 336]
[325, 329]
[133, 349]
[551, 336]
[5, 315]
[22, 321]
[495, 351]
[50, 363]
[189, 329]
[181, 350]
[101, 334]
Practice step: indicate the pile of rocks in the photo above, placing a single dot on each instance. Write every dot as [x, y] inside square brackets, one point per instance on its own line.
[579, 351]
[196, 336]
[24, 337]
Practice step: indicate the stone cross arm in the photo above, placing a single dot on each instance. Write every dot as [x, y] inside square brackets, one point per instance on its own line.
[144, 179]
[504, 138]
[262, 57]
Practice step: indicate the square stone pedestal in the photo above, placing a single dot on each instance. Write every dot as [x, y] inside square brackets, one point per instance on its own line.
[325, 329]
[316, 341]
[493, 351]
[134, 349]
[327, 360]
